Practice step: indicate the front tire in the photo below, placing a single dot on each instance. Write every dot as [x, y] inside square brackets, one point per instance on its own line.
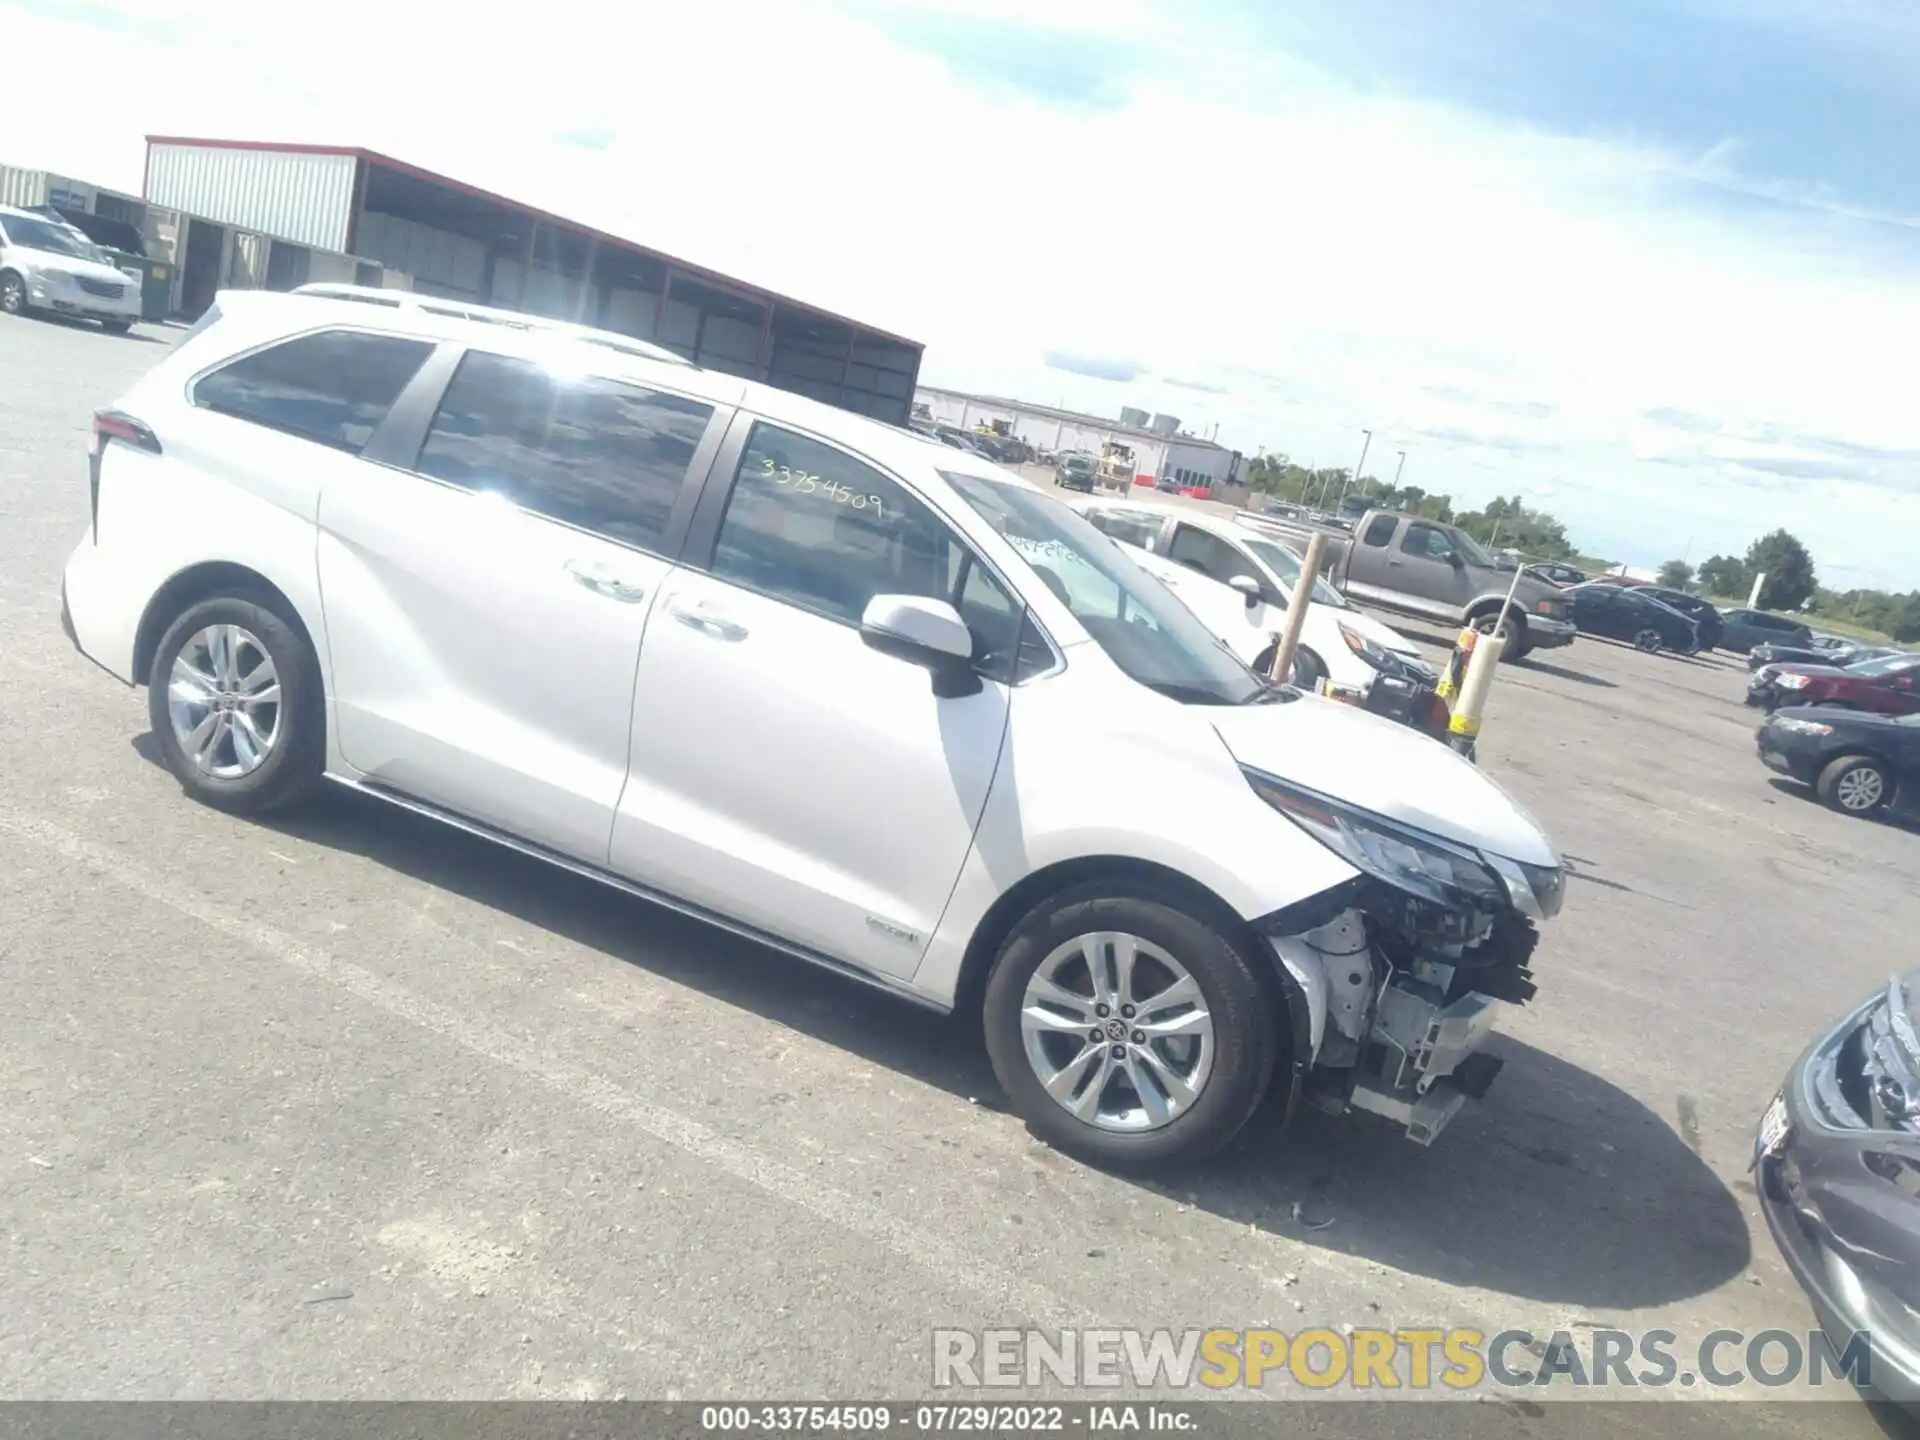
[116, 327]
[1188, 1032]
[1308, 668]
[1855, 785]
[236, 703]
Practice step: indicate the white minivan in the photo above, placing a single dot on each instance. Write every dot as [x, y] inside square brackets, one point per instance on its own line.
[46, 265]
[810, 677]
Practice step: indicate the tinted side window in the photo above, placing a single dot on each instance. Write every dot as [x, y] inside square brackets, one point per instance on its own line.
[1141, 530]
[810, 524]
[1379, 530]
[605, 456]
[1208, 554]
[1428, 541]
[333, 388]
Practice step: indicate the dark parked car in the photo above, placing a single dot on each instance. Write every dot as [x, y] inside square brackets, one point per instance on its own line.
[1558, 574]
[1745, 629]
[1840, 656]
[1888, 686]
[1859, 764]
[1836, 1167]
[1630, 615]
[1703, 613]
[1077, 472]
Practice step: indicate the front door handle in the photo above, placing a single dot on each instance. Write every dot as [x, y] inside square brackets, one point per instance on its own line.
[698, 617]
[598, 579]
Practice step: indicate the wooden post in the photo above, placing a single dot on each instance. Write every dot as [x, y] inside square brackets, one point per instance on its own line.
[1297, 603]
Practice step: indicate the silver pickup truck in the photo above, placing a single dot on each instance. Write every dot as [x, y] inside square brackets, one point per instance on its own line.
[1434, 571]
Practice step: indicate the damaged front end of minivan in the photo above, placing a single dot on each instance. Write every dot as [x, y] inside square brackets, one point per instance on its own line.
[1394, 981]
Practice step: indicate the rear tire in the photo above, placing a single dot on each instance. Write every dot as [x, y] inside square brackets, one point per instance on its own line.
[1230, 1049]
[13, 293]
[1855, 785]
[116, 327]
[1648, 642]
[237, 706]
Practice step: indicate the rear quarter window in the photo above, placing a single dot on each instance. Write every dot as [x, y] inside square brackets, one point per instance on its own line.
[333, 387]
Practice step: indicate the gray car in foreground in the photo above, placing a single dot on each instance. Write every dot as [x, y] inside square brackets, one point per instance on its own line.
[1837, 1168]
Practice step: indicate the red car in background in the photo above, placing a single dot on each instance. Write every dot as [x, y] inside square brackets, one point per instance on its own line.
[1887, 686]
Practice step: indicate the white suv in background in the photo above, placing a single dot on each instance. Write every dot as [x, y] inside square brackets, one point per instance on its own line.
[1338, 642]
[871, 700]
[47, 265]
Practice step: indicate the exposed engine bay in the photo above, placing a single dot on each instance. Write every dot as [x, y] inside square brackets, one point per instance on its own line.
[1399, 993]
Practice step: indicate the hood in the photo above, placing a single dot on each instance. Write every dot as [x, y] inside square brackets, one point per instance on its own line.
[72, 264]
[1375, 764]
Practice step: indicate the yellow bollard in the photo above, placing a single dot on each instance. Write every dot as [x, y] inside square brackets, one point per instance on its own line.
[1482, 664]
[1451, 677]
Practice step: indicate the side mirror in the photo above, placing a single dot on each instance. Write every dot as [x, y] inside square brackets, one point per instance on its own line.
[927, 633]
[1456, 559]
[1247, 586]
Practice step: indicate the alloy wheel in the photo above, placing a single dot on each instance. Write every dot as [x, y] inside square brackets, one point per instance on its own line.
[13, 296]
[1860, 789]
[1118, 1032]
[224, 701]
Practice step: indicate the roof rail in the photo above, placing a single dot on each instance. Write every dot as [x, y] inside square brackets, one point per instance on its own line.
[490, 315]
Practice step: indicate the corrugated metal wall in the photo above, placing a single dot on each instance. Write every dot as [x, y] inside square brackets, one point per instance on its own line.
[282, 193]
[23, 189]
[455, 264]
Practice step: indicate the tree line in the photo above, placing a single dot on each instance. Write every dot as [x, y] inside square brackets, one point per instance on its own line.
[1791, 581]
[1505, 523]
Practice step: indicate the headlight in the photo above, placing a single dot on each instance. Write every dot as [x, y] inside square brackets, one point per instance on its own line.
[1801, 727]
[52, 272]
[1792, 682]
[1387, 662]
[1407, 859]
[1378, 656]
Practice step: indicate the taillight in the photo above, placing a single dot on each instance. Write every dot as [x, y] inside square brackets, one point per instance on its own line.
[109, 425]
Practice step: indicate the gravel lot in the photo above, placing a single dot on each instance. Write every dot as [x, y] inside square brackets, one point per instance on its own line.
[350, 1106]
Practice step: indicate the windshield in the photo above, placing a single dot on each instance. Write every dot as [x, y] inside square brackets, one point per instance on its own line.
[1146, 631]
[1284, 563]
[1885, 665]
[54, 239]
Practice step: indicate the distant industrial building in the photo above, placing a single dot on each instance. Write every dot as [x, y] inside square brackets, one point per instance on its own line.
[1145, 449]
[318, 212]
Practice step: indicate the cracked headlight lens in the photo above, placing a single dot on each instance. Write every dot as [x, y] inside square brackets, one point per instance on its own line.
[1408, 859]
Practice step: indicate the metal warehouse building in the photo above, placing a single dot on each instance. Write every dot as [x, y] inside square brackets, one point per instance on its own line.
[1141, 448]
[325, 209]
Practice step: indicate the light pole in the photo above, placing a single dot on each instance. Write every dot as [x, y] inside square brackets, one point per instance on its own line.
[1398, 468]
[1364, 445]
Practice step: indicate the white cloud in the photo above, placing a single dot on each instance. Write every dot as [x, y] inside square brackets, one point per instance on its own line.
[1358, 251]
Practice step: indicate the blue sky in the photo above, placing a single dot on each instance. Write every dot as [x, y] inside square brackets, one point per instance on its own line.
[1653, 264]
